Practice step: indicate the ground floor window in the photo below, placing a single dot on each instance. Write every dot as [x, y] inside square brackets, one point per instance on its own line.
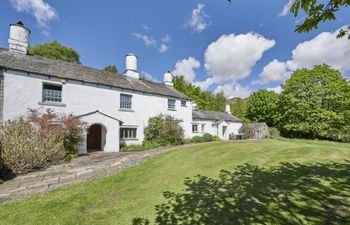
[195, 128]
[203, 128]
[128, 133]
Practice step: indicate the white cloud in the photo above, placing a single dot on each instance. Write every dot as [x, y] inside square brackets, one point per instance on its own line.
[232, 57]
[42, 11]
[233, 89]
[186, 68]
[148, 76]
[163, 48]
[147, 40]
[166, 39]
[286, 8]
[204, 85]
[199, 19]
[277, 89]
[145, 27]
[274, 71]
[324, 48]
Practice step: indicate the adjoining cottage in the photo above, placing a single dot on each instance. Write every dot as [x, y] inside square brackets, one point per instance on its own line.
[116, 107]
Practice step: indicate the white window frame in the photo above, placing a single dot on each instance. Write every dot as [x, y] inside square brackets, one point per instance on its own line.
[171, 106]
[52, 95]
[125, 104]
[128, 133]
[195, 130]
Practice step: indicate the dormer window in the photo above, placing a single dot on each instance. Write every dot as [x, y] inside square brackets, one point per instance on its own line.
[52, 93]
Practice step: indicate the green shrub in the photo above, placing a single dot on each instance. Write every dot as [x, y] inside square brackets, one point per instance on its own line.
[164, 130]
[274, 132]
[207, 137]
[216, 138]
[197, 139]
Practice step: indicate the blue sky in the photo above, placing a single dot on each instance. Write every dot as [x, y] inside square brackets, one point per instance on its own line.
[234, 47]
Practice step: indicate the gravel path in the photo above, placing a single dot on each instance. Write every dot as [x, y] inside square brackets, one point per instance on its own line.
[79, 170]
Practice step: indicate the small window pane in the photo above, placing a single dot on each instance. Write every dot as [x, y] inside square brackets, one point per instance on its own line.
[128, 133]
[194, 128]
[52, 93]
[171, 104]
[125, 101]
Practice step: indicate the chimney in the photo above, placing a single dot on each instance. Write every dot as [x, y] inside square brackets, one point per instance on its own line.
[168, 79]
[19, 38]
[131, 66]
[228, 108]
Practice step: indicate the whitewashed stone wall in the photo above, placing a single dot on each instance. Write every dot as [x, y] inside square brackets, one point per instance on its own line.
[1, 95]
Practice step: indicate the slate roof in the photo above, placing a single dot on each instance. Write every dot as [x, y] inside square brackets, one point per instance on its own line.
[73, 71]
[256, 126]
[213, 115]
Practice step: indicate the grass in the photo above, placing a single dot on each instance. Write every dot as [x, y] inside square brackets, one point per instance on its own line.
[244, 182]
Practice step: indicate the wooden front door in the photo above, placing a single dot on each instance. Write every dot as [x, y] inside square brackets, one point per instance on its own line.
[94, 138]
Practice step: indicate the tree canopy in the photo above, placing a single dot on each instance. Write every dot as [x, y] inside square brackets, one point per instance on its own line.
[55, 50]
[205, 100]
[111, 68]
[261, 107]
[317, 12]
[239, 107]
[315, 103]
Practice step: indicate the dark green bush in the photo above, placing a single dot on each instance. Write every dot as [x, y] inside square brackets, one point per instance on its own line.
[274, 132]
[207, 137]
[197, 139]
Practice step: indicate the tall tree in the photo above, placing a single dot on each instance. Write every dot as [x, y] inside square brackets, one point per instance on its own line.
[317, 12]
[205, 100]
[261, 107]
[111, 68]
[55, 50]
[239, 107]
[315, 103]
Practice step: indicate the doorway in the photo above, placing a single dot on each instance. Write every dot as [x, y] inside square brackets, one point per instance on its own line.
[94, 138]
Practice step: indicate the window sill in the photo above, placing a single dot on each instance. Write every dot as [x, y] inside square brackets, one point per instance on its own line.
[195, 132]
[52, 104]
[126, 110]
[171, 109]
[130, 139]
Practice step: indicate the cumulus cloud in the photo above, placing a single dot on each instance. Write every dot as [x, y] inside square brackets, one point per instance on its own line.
[199, 19]
[204, 85]
[42, 11]
[233, 89]
[164, 47]
[149, 77]
[286, 8]
[147, 40]
[186, 68]
[277, 89]
[324, 48]
[232, 56]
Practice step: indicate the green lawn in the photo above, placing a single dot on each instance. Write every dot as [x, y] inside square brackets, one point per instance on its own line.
[243, 182]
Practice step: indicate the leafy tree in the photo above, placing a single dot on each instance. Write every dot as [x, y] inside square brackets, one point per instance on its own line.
[317, 12]
[205, 100]
[111, 68]
[55, 50]
[261, 107]
[239, 108]
[315, 103]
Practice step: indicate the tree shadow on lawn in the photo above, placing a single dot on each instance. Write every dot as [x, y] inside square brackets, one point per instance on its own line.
[290, 193]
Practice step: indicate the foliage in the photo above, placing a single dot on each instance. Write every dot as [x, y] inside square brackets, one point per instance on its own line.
[216, 138]
[246, 131]
[315, 103]
[204, 100]
[55, 50]
[111, 68]
[261, 107]
[39, 140]
[239, 108]
[146, 145]
[205, 138]
[164, 130]
[274, 132]
[317, 12]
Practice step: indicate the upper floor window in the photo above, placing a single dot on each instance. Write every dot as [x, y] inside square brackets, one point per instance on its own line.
[171, 104]
[52, 93]
[125, 101]
[183, 103]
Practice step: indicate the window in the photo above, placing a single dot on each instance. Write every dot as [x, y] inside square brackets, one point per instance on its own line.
[203, 128]
[224, 128]
[183, 103]
[195, 128]
[128, 133]
[52, 93]
[171, 104]
[125, 101]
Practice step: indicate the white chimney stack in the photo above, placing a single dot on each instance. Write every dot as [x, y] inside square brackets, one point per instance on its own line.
[19, 38]
[168, 79]
[131, 66]
[228, 108]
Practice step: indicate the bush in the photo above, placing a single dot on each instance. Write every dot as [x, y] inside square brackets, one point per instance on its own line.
[164, 130]
[207, 137]
[246, 131]
[274, 132]
[38, 140]
[216, 138]
[197, 139]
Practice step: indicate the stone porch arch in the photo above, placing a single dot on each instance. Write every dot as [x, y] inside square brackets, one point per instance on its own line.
[111, 125]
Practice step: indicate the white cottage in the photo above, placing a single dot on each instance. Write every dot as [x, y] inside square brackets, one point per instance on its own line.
[116, 107]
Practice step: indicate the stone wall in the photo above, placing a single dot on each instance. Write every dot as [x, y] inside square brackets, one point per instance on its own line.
[1, 94]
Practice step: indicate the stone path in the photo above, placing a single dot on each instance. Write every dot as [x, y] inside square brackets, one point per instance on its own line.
[81, 169]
